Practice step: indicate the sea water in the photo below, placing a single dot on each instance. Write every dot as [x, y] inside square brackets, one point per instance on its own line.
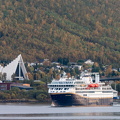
[22, 111]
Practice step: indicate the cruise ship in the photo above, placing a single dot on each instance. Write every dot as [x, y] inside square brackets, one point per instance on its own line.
[81, 91]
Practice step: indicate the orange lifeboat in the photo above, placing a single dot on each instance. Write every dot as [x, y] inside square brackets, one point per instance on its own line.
[93, 85]
[96, 85]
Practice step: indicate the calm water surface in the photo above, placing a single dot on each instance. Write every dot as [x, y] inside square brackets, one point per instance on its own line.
[46, 112]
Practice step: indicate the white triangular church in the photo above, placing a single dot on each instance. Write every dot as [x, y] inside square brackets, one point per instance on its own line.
[16, 67]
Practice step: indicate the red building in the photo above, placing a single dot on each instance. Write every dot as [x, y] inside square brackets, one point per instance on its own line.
[5, 86]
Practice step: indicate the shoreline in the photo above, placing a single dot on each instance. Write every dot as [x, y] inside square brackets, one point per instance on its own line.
[22, 101]
[37, 101]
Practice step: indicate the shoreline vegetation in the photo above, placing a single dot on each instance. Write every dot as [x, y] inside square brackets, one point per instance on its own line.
[23, 101]
[17, 100]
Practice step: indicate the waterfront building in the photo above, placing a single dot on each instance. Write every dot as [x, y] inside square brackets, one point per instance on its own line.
[5, 86]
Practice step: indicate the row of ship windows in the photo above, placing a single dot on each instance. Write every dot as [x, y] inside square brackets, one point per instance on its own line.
[60, 85]
[83, 88]
[85, 91]
[93, 91]
[62, 82]
[107, 92]
[59, 88]
[57, 91]
[67, 82]
[106, 88]
[81, 85]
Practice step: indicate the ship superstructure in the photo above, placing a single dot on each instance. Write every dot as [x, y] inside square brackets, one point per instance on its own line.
[82, 91]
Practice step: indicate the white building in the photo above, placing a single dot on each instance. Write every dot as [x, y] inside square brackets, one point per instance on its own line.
[17, 68]
[89, 62]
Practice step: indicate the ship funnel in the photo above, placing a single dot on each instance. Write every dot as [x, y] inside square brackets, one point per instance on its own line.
[97, 78]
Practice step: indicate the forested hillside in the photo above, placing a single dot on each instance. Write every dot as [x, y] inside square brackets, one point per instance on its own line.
[75, 29]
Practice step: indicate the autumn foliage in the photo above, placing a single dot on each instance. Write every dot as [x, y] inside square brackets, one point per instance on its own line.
[75, 29]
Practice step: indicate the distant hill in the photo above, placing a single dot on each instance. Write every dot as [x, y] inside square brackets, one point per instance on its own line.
[73, 29]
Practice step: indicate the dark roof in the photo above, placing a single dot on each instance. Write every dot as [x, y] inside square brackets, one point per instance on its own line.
[23, 87]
